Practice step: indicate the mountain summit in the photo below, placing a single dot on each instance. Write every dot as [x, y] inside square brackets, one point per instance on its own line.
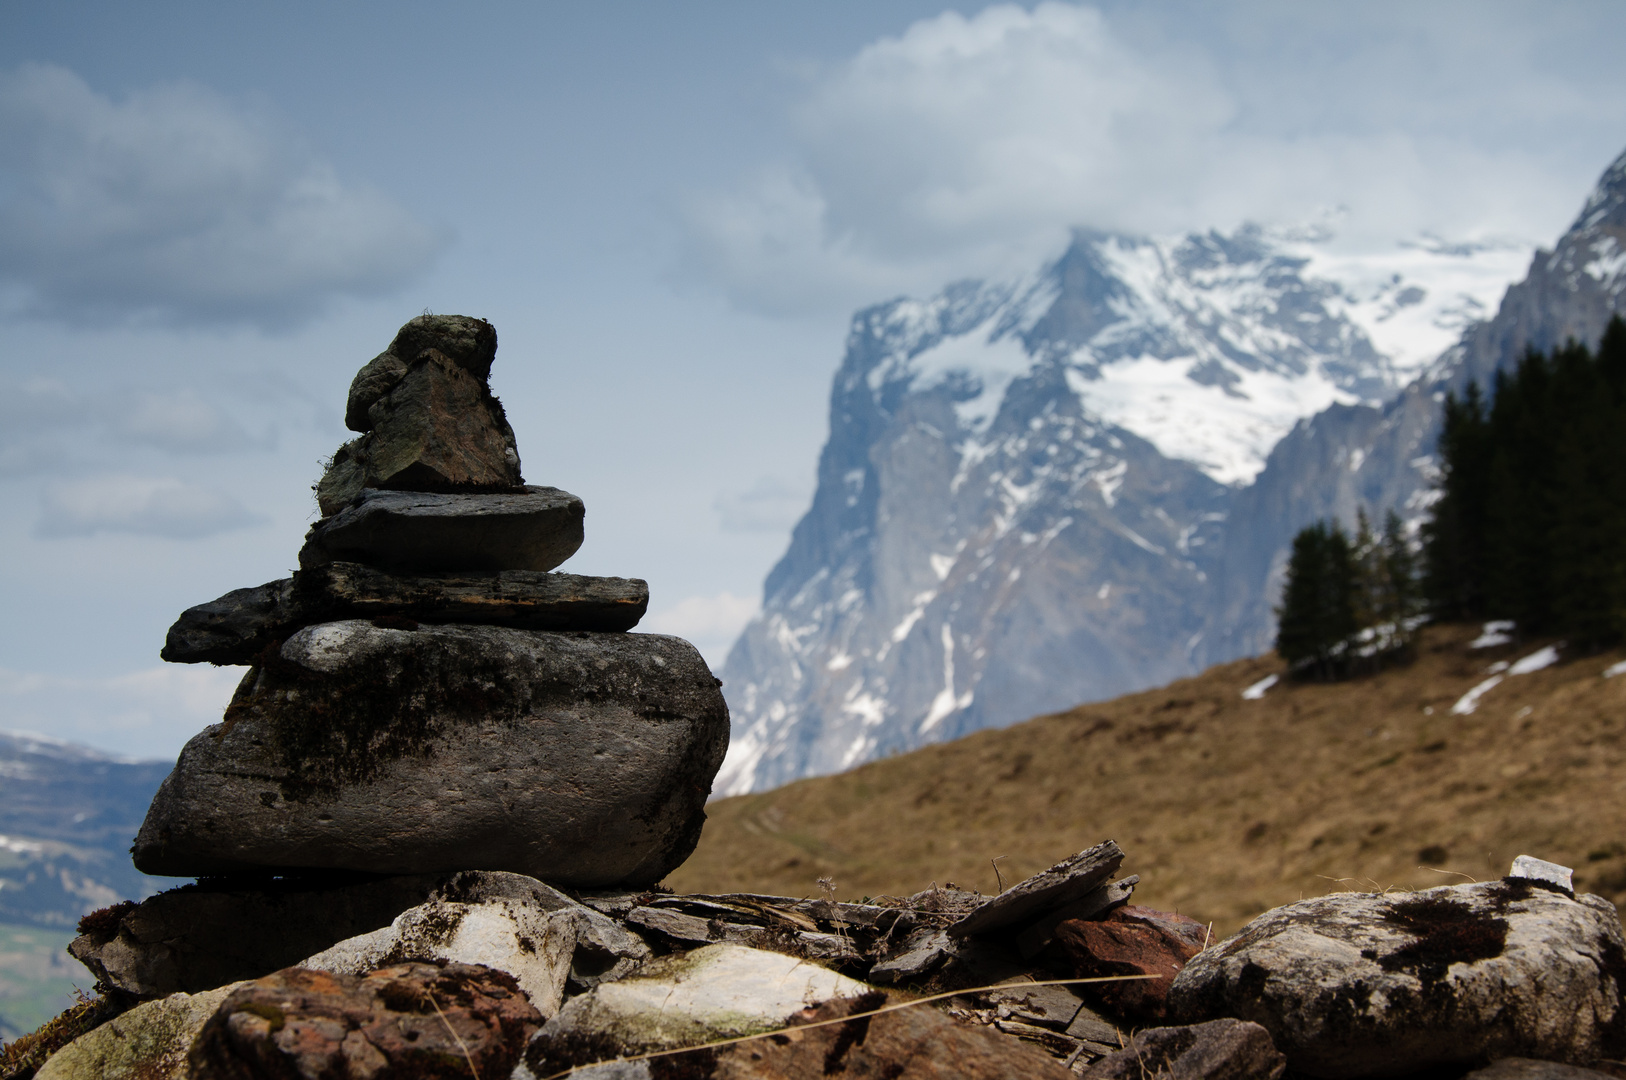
[1081, 484]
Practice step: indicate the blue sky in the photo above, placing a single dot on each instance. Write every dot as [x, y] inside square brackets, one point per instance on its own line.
[212, 215]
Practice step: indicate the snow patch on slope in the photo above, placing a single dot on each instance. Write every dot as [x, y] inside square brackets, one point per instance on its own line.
[1228, 435]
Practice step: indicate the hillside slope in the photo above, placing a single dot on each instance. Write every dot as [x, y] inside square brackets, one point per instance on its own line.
[1226, 806]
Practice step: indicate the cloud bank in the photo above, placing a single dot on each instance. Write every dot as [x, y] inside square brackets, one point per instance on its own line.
[969, 145]
[145, 713]
[143, 506]
[177, 204]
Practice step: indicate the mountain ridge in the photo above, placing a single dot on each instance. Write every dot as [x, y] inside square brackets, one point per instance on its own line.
[1145, 419]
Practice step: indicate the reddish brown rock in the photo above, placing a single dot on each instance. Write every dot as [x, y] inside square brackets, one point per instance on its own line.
[1217, 1050]
[413, 1020]
[1131, 940]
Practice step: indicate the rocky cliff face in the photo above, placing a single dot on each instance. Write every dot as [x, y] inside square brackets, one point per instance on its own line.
[1062, 489]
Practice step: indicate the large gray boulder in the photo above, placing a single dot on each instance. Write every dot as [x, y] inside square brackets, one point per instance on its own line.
[237, 627]
[581, 759]
[1357, 984]
[536, 528]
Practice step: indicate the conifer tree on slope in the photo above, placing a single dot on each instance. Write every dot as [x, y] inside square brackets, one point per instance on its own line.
[1318, 601]
[1531, 520]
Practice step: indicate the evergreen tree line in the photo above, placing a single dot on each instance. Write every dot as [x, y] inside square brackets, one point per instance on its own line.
[1348, 603]
[1531, 520]
[1529, 524]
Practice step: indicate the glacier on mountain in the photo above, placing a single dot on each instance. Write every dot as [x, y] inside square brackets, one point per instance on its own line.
[1082, 483]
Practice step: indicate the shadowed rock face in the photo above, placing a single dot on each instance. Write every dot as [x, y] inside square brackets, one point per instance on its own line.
[1217, 1050]
[1357, 985]
[582, 759]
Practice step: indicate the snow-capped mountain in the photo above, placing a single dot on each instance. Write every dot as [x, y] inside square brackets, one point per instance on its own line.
[1025, 497]
[1357, 455]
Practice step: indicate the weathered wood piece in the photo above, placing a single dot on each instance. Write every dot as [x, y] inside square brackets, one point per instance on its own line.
[1068, 881]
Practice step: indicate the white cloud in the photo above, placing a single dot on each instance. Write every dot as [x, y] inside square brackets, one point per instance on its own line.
[148, 713]
[768, 505]
[176, 203]
[969, 145]
[164, 507]
[711, 623]
[182, 422]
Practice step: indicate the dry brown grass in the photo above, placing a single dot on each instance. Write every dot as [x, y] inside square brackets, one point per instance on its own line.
[1226, 807]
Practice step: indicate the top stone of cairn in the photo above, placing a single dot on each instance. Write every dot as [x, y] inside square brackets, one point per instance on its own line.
[427, 418]
[433, 483]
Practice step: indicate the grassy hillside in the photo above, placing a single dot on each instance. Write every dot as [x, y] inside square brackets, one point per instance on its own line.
[1226, 807]
[37, 977]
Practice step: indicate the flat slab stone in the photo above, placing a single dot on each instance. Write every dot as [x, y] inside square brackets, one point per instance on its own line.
[1025, 902]
[200, 936]
[536, 528]
[578, 758]
[236, 628]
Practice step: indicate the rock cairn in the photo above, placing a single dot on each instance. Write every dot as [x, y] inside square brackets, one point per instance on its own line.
[424, 695]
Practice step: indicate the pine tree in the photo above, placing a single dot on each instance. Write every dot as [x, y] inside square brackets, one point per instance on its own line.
[1317, 617]
[1453, 538]
[1402, 602]
[1385, 587]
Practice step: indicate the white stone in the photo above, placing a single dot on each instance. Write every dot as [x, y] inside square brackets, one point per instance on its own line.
[532, 945]
[1528, 866]
[716, 992]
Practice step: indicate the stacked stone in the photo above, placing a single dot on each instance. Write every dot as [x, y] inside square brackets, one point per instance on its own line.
[424, 695]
